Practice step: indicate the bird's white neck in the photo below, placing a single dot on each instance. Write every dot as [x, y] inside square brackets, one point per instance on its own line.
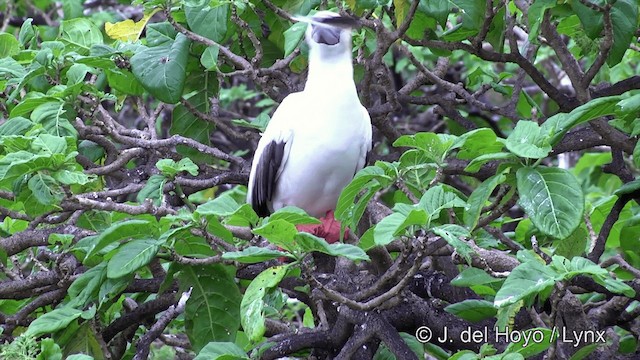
[330, 75]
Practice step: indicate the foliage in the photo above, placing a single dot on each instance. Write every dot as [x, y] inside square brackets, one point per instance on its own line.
[500, 198]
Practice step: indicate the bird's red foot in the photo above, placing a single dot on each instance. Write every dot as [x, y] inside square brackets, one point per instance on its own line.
[328, 229]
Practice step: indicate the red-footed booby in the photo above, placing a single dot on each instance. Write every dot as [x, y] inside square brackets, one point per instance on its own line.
[319, 138]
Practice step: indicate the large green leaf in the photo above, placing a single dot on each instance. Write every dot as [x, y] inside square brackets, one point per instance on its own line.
[527, 140]
[85, 287]
[253, 305]
[558, 125]
[439, 10]
[52, 116]
[456, 236]
[394, 224]
[162, 69]
[185, 123]
[371, 178]
[479, 197]
[292, 37]
[435, 146]
[278, 232]
[208, 21]
[221, 351]
[624, 19]
[307, 243]
[79, 35]
[253, 254]
[532, 342]
[132, 256]
[472, 310]
[212, 312]
[438, 198]
[534, 277]
[552, 198]
[129, 229]
[45, 188]
[590, 19]
[53, 321]
[9, 45]
[478, 142]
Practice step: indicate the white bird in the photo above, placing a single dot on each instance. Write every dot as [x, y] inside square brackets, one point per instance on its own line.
[318, 138]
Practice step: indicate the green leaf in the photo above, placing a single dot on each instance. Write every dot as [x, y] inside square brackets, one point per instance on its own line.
[253, 305]
[52, 117]
[394, 224]
[254, 254]
[76, 73]
[476, 164]
[455, 235]
[170, 168]
[535, 16]
[628, 106]
[552, 198]
[209, 58]
[558, 125]
[279, 232]
[187, 124]
[479, 197]
[293, 215]
[67, 177]
[53, 321]
[532, 342]
[132, 256]
[15, 126]
[435, 146]
[292, 37]
[307, 243]
[162, 69]
[225, 205]
[472, 310]
[534, 277]
[212, 312]
[27, 33]
[472, 13]
[49, 350]
[153, 189]
[220, 351]
[371, 178]
[72, 8]
[45, 188]
[531, 277]
[438, 198]
[9, 45]
[591, 20]
[478, 142]
[208, 21]
[473, 276]
[528, 141]
[79, 357]
[79, 35]
[129, 229]
[437, 9]
[85, 287]
[624, 19]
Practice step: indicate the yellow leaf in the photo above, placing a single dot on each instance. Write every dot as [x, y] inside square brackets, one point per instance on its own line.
[402, 8]
[127, 30]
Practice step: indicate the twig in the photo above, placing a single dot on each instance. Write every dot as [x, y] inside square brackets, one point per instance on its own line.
[143, 345]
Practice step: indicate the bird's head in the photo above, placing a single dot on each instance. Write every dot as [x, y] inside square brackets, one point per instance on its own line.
[329, 32]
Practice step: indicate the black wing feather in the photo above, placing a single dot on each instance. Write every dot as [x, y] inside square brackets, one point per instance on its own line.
[339, 21]
[265, 179]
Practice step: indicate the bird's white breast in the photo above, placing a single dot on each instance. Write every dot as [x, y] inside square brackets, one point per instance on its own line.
[325, 151]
